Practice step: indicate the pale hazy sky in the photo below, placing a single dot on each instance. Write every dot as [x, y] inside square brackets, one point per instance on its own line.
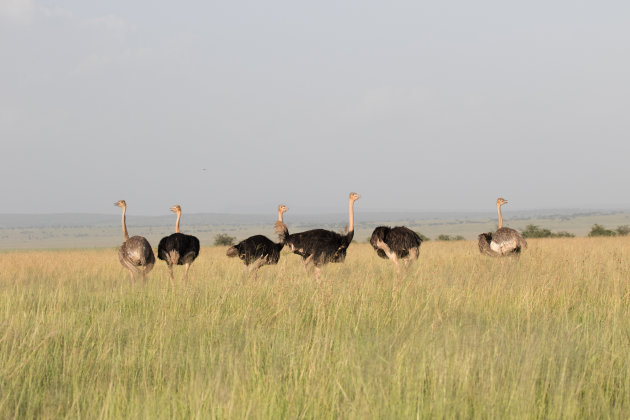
[240, 105]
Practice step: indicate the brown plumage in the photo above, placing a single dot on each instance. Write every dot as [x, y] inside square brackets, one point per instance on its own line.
[505, 241]
[135, 253]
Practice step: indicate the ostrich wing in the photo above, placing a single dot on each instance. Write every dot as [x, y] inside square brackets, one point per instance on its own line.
[507, 240]
[323, 245]
[136, 252]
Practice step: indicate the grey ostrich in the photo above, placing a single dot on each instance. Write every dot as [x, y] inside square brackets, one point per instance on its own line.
[135, 253]
[396, 243]
[320, 246]
[505, 241]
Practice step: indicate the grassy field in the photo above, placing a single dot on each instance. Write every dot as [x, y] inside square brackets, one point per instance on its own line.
[460, 335]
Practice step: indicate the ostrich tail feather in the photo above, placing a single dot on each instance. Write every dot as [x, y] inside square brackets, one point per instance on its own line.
[232, 252]
[173, 256]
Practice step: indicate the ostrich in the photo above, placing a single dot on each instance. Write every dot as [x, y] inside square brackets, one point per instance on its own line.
[135, 253]
[397, 242]
[178, 248]
[505, 241]
[258, 250]
[320, 246]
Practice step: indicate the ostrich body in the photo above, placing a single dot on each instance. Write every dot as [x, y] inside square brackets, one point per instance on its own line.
[396, 243]
[178, 248]
[505, 241]
[321, 246]
[258, 250]
[135, 253]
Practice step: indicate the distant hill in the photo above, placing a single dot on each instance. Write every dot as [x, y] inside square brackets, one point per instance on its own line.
[60, 220]
[27, 231]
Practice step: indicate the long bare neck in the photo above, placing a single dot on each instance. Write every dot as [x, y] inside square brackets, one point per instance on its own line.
[124, 224]
[280, 216]
[179, 216]
[350, 216]
[500, 217]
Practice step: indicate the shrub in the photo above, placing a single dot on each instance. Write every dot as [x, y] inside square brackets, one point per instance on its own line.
[223, 239]
[449, 238]
[562, 234]
[424, 238]
[623, 230]
[533, 231]
[599, 230]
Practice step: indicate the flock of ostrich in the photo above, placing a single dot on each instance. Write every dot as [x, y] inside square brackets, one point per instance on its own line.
[317, 247]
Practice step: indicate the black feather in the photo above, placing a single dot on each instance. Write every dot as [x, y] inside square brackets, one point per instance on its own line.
[320, 245]
[399, 239]
[186, 247]
[255, 248]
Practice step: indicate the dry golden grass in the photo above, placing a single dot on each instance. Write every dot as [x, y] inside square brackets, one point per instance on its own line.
[458, 335]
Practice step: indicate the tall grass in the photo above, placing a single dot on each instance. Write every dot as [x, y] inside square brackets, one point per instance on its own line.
[460, 335]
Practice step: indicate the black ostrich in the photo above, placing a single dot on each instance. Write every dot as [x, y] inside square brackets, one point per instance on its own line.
[178, 248]
[320, 246]
[396, 243]
[258, 250]
[135, 253]
[505, 241]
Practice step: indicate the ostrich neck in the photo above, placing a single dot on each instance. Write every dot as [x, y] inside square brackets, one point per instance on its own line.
[350, 216]
[500, 217]
[124, 224]
[279, 216]
[179, 216]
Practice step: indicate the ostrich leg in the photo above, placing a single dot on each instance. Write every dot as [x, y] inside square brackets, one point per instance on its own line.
[170, 273]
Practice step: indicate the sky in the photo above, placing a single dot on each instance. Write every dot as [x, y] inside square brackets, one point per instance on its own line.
[239, 106]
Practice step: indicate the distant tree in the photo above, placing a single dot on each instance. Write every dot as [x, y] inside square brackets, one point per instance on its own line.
[623, 230]
[562, 234]
[223, 239]
[444, 237]
[599, 230]
[424, 238]
[533, 231]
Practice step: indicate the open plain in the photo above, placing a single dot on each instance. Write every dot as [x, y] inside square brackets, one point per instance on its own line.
[457, 335]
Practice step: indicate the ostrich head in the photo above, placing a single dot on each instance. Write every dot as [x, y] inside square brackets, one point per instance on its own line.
[282, 208]
[176, 209]
[354, 196]
[121, 203]
[501, 201]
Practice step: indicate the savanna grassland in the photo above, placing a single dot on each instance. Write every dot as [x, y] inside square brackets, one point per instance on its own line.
[459, 335]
